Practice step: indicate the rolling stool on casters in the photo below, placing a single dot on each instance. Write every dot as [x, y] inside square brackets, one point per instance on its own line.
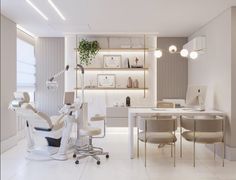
[89, 149]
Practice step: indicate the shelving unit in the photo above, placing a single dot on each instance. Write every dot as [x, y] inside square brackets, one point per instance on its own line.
[143, 70]
[112, 89]
[114, 69]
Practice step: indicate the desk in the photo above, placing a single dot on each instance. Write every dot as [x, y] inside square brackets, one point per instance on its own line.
[133, 113]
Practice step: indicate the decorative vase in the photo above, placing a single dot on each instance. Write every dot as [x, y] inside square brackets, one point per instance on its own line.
[129, 82]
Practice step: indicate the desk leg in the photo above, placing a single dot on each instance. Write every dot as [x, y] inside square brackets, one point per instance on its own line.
[131, 135]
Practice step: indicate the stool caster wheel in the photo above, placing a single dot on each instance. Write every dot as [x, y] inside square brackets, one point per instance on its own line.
[107, 156]
[77, 162]
[74, 155]
[98, 162]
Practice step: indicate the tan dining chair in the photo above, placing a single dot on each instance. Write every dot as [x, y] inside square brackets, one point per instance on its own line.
[156, 131]
[202, 129]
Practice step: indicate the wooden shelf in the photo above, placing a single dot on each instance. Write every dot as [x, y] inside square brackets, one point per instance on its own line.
[114, 69]
[125, 50]
[112, 88]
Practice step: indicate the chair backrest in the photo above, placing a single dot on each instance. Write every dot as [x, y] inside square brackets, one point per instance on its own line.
[29, 113]
[157, 125]
[202, 124]
[163, 104]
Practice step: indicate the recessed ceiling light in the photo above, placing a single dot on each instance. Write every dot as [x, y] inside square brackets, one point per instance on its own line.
[37, 9]
[57, 10]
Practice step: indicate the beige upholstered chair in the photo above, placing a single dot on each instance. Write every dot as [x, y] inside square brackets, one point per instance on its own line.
[156, 130]
[207, 130]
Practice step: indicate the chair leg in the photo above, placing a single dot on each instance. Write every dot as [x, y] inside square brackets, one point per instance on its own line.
[214, 151]
[174, 154]
[145, 153]
[171, 153]
[194, 154]
[138, 142]
[223, 154]
[181, 153]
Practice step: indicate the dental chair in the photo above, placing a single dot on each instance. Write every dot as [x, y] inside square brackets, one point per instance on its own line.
[56, 129]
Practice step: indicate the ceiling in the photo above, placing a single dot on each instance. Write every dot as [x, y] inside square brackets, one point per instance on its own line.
[168, 18]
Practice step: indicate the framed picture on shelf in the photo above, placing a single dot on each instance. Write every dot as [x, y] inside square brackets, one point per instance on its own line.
[106, 80]
[112, 61]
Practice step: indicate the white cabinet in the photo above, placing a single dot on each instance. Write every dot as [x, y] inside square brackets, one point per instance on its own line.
[117, 116]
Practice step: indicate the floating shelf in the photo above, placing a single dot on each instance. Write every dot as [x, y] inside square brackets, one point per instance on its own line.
[112, 88]
[125, 50]
[114, 69]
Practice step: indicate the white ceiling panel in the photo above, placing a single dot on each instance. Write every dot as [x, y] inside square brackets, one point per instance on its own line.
[167, 17]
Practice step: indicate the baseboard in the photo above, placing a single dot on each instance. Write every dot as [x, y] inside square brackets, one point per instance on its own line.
[230, 152]
[8, 143]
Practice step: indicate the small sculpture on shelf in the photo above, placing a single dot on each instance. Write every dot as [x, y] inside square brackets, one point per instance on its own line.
[128, 101]
[136, 64]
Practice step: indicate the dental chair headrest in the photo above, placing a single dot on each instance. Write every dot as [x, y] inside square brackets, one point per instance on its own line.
[20, 99]
[22, 96]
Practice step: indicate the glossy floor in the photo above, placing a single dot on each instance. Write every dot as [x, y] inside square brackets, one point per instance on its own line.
[14, 166]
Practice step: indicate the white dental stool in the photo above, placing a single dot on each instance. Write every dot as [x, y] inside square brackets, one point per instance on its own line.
[87, 130]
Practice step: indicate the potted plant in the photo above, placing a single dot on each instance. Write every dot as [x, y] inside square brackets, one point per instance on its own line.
[87, 51]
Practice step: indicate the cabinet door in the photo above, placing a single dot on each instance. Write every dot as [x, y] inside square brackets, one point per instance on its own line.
[117, 122]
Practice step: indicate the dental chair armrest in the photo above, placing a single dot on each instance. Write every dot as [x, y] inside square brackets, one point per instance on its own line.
[57, 120]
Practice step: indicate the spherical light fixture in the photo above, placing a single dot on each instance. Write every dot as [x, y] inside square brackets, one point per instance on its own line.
[172, 49]
[158, 53]
[184, 53]
[194, 55]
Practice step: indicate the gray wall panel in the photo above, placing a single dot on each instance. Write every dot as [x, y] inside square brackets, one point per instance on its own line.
[50, 60]
[172, 70]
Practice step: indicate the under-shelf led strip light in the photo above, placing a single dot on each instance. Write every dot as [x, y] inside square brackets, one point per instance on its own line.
[56, 9]
[37, 9]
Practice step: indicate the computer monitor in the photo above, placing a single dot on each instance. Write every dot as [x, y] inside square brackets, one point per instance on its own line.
[196, 96]
[69, 98]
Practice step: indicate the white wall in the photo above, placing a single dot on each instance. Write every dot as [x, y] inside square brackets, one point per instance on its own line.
[214, 68]
[49, 53]
[8, 82]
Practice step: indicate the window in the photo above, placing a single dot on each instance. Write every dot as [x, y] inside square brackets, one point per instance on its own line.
[26, 68]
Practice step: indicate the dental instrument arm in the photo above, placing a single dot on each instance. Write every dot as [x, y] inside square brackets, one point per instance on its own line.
[51, 83]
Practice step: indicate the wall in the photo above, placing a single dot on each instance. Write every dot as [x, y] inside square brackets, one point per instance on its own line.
[49, 53]
[172, 70]
[233, 76]
[214, 69]
[8, 82]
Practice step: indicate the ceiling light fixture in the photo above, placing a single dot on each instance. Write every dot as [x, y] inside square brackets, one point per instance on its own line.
[193, 55]
[172, 49]
[158, 53]
[56, 9]
[37, 9]
[184, 53]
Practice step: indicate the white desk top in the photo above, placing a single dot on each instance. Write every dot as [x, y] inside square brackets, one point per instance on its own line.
[173, 111]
